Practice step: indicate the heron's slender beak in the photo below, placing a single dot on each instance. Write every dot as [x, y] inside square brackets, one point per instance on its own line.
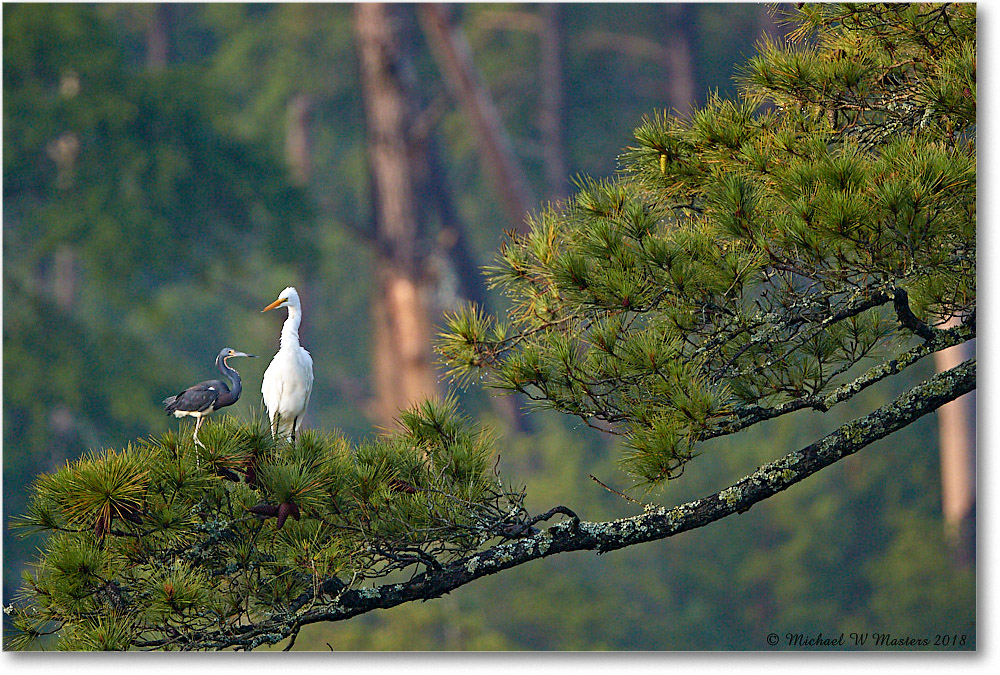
[273, 305]
[252, 356]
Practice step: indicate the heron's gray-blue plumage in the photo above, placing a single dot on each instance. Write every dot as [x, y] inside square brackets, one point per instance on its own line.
[204, 398]
[213, 394]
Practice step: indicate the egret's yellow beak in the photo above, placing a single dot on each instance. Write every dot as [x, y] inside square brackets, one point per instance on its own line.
[273, 305]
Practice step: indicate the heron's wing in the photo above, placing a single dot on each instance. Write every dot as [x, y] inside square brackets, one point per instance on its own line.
[198, 398]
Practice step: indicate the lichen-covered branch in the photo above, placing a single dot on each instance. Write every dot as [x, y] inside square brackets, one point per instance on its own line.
[655, 523]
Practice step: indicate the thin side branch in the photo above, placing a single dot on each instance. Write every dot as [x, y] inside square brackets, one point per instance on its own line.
[747, 416]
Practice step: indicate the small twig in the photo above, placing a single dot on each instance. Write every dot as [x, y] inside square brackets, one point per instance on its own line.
[527, 528]
[295, 634]
[409, 556]
[575, 519]
[611, 489]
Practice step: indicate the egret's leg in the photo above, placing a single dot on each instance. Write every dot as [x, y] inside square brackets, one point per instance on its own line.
[275, 421]
[295, 430]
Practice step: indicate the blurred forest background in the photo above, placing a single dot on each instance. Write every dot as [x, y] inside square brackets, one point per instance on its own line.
[168, 169]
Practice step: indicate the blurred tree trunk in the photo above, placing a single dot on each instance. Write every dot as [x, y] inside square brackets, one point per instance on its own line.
[453, 240]
[64, 151]
[298, 154]
[678, 30]
[158, 36]
[403, 370]
[455, 61]
[455, 251]
[957, 440]
[551, 114]
[674, 60]
[65, 277]
[547, 27]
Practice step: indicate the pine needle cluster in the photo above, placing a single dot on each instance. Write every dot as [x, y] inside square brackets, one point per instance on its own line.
[152, 544]
[747, 260]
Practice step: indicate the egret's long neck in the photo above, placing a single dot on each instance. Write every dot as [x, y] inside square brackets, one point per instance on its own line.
[290, 329]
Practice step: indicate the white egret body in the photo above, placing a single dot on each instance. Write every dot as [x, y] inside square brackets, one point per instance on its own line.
[288, 379]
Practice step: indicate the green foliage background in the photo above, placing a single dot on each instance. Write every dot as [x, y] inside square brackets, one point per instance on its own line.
[184, 224]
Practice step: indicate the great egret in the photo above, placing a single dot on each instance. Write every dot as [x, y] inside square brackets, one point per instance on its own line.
[205, 398]
[288, 379]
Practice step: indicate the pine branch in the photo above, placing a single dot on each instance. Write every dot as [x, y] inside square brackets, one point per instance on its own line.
[747, 416]
[654, 524]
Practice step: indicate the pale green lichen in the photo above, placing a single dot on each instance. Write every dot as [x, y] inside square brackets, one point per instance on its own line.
[731, 495]
[777, 477]
[368, 593]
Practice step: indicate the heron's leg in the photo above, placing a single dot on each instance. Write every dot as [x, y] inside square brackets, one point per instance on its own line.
[197, 425]
[295, 429]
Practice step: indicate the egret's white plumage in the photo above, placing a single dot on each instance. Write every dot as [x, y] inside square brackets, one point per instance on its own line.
[288, 379]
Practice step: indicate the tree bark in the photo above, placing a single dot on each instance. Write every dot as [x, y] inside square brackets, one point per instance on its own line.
[403, 371]
[499, 161]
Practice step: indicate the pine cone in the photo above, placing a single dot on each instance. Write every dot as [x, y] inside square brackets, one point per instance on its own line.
[266, 510]
[251, 475]
[227, 474]
[283, 511]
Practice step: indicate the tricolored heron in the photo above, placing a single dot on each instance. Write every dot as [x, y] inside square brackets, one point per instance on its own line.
[288, 379]
[205, 398]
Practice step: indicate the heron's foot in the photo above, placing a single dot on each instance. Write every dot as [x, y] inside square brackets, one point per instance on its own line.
[197, 458]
